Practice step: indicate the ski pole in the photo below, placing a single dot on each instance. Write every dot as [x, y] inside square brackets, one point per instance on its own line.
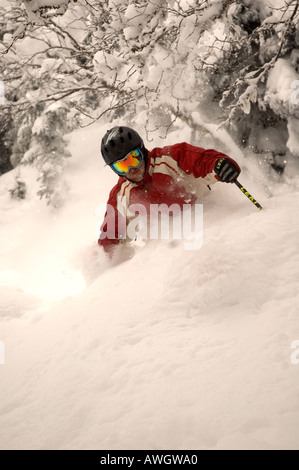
[248, 195]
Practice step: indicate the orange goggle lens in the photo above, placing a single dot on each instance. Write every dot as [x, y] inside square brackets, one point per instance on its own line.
[132, 160]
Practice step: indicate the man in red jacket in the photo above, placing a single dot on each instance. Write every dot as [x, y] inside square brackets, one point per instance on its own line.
[178, 174]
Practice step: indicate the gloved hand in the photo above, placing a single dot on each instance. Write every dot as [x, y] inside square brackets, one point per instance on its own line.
[226, 170]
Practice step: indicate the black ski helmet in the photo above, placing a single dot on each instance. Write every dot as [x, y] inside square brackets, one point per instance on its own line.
[118, 142]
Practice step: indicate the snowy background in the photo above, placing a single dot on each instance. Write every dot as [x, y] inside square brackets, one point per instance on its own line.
[162, 348]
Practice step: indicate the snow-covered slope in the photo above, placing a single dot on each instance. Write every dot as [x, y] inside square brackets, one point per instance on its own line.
[170, 349]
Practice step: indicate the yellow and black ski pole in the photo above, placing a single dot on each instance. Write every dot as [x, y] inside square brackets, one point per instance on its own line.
[248, 195]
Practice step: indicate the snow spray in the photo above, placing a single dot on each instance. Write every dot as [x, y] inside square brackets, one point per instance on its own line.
[295, 354]
[2, 353]
[158, 222]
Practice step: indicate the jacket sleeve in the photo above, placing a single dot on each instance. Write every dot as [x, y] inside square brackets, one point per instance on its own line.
[196, 160]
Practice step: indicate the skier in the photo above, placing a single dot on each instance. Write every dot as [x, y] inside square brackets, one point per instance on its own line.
[176, 174]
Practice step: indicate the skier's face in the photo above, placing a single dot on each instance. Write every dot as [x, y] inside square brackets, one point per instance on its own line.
[136, 174]
[132, 166]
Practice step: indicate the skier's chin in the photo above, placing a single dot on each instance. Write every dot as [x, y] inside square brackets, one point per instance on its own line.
[136, 180]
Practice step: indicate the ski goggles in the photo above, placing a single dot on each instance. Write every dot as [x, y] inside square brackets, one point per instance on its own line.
[131, 160]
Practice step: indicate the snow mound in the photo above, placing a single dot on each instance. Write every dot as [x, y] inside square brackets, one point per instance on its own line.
[165, 349]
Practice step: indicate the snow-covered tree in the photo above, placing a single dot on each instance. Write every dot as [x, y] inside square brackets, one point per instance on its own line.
[156, 61]
[48, 151]
[258, 92]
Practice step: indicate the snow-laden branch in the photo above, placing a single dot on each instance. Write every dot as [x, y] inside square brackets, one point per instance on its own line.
[37, 9]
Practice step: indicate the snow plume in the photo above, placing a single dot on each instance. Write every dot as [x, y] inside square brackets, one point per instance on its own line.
[161, 348]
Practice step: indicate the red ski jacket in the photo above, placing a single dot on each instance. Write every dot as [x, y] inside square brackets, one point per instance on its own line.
[178, 174]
